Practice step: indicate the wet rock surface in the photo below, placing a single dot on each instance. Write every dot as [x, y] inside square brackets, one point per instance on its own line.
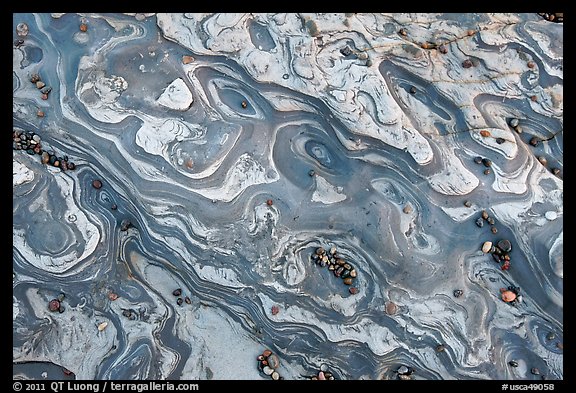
[176, 174]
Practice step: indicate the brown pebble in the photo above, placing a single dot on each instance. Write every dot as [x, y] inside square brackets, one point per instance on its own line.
[267, 353]
[269, 202]
[403, 32]
[187, 59]
[487, 171]
[493, 229]
[467, 63]
[97, 184]
[44, 96]
[556, 171]
[534, 141]
[425, 45]
[40, 113]
[534, 98]
[187, 300]
[348, 281]
[485, 133]
[471, 32]
[40, 84]
[443, 49]
[391, 308]
[353, 290]
[83, 27]
[45, 157]
[112, 296]
[531, 64]
[275, 310]
[407, 209]
[543, 160]
[244, 104]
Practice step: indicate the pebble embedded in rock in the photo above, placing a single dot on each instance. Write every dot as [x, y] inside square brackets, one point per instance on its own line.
[535, 371]
[480, 222]
[403, 370]
[478, 160]
[83, 27]
[534, 141]
[275, 376]
[275, 310]
[514, 122]
[551, 215]
[467, 203]
[353, 290]
[543, 160]
[407, 209]
[269, 202]
[97, 184]
[177, 292]
[513, 363]
[458, 293]
[412, 90]
[485, 133]
[311, 173]
[467, 63]
[440, 348]
[487, 162]
[391, 308]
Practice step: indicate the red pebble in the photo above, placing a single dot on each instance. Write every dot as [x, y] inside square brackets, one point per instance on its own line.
[269, 202]
[275, 310]
[54, 305]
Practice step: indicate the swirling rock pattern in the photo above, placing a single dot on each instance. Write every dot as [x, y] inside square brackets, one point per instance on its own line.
[231, 146]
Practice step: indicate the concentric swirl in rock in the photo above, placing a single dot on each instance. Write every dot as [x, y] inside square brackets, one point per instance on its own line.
[229, 147]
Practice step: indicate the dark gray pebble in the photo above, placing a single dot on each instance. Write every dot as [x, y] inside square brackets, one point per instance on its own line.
[486, 162]
[505, 245]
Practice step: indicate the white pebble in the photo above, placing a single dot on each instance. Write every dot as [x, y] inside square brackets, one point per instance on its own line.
[551, 215]
[486, 247]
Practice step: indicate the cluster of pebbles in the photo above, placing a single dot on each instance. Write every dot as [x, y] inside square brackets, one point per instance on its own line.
[514, 123]
[484, 161]
[557, 17]
[405, 373]
[178, 293]
[500, 252]
[32, 144]
[40, 85]
[484, 216]
[322, 375]
[268, 363]
[336, 264]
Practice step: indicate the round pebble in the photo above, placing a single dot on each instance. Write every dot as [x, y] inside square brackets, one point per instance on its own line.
[478, 160]
[187, 300]
[486, 247]
[22, 29]
[500, 140]
[54, 305]
[443, 49]
[177, 292]
[458, 293]
[391, 308]
[403, 370]
[440, 348]
[407, 209]
[273, 361]
[505, 245]
[494, 230]
[179, 301]
[353, 290]
[508, 296]
[83, 27]
[244, 104]
[269, 202]
[275, 376]
[514, 122]
[348, 281]
[467, 63]
[487, 162]
[485, 133]
[268, 370]
[467, 203]
[412, 90]
[487, 171]
[97, 184]
[267, 353]
[551, 215]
